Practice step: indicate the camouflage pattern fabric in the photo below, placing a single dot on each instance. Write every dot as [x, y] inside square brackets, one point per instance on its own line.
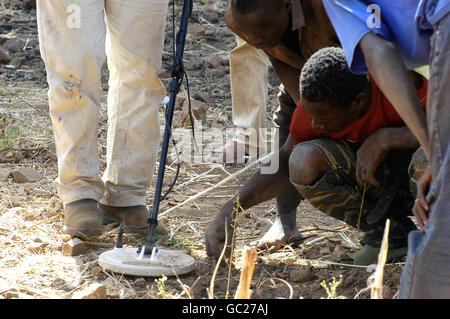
[416, 168]
[338, 193]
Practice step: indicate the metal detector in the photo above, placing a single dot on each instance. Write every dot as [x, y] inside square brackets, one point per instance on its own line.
[149, 260]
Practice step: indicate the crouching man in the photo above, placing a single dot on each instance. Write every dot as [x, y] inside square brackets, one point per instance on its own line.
[348, 154]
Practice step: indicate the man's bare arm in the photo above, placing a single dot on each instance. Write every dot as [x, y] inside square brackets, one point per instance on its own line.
[258, 189]
[288, 76]
[375, 149]
[387, 69]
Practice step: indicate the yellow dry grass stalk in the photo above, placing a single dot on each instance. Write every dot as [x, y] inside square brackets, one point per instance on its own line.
[234, 215]
[361, 207]
[377, 287]
[216, 269]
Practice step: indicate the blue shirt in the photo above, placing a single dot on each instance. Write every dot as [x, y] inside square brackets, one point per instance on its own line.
[408, 24]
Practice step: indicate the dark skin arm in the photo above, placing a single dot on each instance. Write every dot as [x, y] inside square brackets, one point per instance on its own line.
[258, 189]
[387, 69]
[288, 76]
[376, 147]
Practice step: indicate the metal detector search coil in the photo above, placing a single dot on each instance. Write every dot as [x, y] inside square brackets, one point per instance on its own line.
[161, 262]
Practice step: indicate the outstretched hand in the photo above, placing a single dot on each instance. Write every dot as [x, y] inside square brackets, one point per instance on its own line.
[369, 156]
[215, 234]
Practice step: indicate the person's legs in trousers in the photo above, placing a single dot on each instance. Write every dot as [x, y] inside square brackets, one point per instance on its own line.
[73, 54]
[249, 95]
[134, 44]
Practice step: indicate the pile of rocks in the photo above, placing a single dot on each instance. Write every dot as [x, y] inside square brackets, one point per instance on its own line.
[19, 45]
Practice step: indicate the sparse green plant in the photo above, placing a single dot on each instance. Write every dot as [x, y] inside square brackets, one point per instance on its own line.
[161, 286]
[177, 241]
[331, 287]
[8, 134]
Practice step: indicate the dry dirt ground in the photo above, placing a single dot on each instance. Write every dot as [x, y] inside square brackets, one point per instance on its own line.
[32, 263]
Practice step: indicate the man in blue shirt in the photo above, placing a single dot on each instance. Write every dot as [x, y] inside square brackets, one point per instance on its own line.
[387, 38]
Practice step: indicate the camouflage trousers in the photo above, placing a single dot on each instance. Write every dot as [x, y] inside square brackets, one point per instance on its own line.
[340, 194]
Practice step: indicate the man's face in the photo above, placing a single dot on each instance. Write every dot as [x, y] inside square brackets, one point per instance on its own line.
[261, 28]
[329, 119]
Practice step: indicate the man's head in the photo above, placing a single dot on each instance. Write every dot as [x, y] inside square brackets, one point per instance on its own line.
[261, 23]
[331, 94]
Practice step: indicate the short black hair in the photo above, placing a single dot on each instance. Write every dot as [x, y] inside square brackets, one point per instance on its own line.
[326, 78]
[248, 6]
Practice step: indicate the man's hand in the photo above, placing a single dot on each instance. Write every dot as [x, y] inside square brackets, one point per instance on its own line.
[421, 206]
[215, 234]
[369, 156]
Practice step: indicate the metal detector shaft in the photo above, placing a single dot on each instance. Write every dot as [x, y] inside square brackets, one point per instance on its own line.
[177, 77]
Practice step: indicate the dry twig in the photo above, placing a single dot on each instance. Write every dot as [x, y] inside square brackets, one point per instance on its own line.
[248, 266]
[377, 288]
[225, 180]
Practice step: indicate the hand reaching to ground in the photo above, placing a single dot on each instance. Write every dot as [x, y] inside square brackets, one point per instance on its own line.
[215, 234]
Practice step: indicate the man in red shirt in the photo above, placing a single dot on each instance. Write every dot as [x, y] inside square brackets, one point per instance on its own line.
[347, 151]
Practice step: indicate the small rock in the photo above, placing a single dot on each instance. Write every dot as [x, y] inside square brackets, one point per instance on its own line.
[4, 174]
[195, 30]
[140, 282]
[94, 291]
[214, 61]
[212, 16]
[29, 4]
[194, 64]
[14, 45]
[9, 154]
[182, 118]
[201, 96]
[26, 175]
[301, 274]
[164, 74]
[17, 61]
[74, 247]
[5, 37]
[338, 253]
[97, 271]
[4, 56]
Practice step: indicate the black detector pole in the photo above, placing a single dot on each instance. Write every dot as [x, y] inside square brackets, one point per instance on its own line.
[177, 79]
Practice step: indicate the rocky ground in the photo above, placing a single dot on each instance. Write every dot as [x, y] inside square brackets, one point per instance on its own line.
[37, 259]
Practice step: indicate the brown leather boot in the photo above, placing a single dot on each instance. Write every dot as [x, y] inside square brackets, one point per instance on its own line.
[130, 216]
[82, 219]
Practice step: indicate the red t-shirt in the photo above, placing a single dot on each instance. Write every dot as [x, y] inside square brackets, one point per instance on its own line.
[380, 114]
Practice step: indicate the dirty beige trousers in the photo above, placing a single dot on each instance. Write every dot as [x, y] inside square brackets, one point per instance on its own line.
[74, 37]
[249, 92]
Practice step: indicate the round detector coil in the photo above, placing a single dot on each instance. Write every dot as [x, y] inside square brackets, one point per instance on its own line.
[161, 262]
